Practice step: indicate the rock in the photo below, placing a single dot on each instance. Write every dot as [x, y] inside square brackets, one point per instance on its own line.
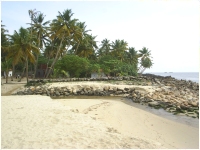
[176, 93]
[183, 107]
[106, 88]
[152, 104]
[159, 90]
[66, 94]
[126, 89]
[32, 89]
[182, 93]
[195, 104]
[191, 114]
[57, 93]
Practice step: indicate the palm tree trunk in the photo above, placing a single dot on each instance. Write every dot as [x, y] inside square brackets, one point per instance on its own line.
[22, 75]
[56, 58]
[77, 48]
[6, 75]
[35, 66]
[27, 69]
[13, 72]
[139, 69]
[143, 70]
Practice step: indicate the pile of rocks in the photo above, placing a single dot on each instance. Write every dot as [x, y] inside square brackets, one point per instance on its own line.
[183, 101]
[146, 79]
[75, 90]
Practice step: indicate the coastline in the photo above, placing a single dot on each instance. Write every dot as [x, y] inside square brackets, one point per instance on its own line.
[89, 123]
[193, 76]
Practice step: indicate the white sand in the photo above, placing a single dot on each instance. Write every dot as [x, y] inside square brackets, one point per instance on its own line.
[40, 122]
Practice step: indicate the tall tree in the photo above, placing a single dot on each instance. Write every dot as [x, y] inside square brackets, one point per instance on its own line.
[5, 61]
[39, 29]
[22, 48]
[145, 61]
[87, 46]
[132, 57]
[84, 32]
[64, 30]
[105, 48]
[118, 49]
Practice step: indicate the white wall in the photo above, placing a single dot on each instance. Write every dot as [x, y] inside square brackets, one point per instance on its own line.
[97, 75]
[9, 73]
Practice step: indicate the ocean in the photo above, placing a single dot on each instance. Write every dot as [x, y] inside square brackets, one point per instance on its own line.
[193, 76]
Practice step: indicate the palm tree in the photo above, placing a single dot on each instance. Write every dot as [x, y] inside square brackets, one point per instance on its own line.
[133, 55]
[105, 48]
[87, 46]
[5, 66]
[118, 49]
[22, 48]
[40, 31]
[145, 61]
[65, 31]
[6, 62]
[82, 27]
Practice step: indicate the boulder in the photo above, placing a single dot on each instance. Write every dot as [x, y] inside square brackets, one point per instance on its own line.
[154, 103]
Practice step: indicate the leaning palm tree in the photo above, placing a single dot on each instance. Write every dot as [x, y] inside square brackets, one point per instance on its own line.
[144, 52]
[22, 48]
[145, 61]
[64, 30]
[39, 29]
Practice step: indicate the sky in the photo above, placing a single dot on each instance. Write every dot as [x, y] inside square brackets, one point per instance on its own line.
[169, 28]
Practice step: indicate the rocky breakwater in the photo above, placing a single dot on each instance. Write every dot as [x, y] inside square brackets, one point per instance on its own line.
[76, 90]
[175, 96]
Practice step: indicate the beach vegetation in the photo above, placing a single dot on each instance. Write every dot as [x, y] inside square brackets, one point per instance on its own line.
[22, 48]
[72, 64]
[38, 29]
[67, 48]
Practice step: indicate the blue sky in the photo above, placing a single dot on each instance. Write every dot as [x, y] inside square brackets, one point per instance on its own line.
[169, 28]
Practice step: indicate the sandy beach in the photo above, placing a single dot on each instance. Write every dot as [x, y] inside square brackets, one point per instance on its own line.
[41, 122]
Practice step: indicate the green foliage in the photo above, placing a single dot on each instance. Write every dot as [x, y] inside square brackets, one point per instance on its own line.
[66, 35]
[146, 62]
[94, 68]
[72, 64]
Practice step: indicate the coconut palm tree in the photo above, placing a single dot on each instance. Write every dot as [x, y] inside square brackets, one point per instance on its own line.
[105, 48]
[84, 32]
[22, 48]
[118, 49]
[87, 46]
[131, 57]
[39, 29]
[145, 61]
[64, 30]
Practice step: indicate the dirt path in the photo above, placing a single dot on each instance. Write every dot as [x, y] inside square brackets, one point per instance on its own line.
[11, 86]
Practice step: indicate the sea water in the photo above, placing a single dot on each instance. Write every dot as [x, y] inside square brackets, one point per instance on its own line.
[192, 76]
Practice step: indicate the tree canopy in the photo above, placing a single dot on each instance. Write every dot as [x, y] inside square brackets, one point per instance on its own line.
[67, 47]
